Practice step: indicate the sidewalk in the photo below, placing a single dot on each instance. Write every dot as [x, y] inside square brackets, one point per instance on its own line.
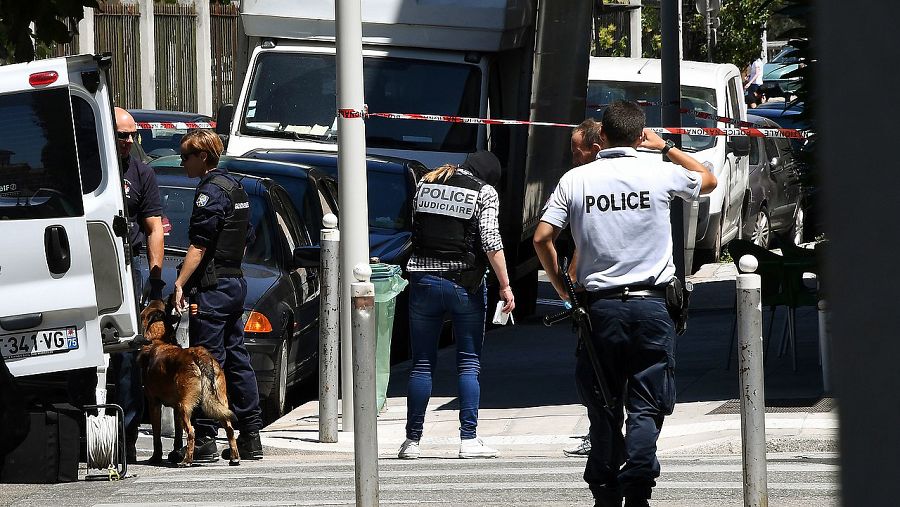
[529, 406]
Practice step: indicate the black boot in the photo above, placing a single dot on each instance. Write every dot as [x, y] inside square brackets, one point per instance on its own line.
[205, 451]
[606, 497]
[636, 502]
[249, 446]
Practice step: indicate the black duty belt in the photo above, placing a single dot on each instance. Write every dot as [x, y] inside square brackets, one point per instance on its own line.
[628, 292]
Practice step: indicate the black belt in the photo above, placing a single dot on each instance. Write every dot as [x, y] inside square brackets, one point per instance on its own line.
[628, 292]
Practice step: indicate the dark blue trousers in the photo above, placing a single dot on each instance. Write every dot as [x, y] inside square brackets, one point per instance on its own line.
[217, 326]
[635, 340]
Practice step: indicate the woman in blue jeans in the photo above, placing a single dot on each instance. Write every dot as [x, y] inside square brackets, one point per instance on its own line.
[456, 235]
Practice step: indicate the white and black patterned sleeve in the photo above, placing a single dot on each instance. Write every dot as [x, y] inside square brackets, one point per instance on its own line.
[488, 221]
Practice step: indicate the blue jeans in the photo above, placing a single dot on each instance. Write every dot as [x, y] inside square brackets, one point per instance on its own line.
[635, 342]
[430, 299]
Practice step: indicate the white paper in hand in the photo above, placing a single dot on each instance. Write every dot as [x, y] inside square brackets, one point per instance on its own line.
[500, 317]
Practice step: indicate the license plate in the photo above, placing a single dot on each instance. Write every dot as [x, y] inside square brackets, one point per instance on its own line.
[38, 343]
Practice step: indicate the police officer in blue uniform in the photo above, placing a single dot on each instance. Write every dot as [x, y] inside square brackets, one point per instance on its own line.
[212, 278]
[618, 209]
[145, 230]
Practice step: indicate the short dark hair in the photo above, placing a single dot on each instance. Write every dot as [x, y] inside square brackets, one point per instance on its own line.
[623, 123]
[590, 131]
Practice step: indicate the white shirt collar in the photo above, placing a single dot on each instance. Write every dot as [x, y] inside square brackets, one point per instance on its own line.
[618, 151]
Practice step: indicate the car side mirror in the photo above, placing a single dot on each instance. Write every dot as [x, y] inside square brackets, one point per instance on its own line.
[739, 145]
[307, 257]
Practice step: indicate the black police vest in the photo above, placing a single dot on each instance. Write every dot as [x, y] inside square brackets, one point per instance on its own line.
[446, 224]
[229, 247]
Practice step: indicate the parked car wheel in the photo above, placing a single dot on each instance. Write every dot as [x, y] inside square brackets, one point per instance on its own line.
[276, 401]
[797, 230]
[762, 229]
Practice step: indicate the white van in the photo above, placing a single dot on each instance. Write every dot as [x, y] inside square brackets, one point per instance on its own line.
[707, 87]
[66, 290]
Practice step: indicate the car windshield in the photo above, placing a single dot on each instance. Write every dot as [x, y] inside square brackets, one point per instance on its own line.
[38, 165]
[601, 93]
[161, 142]
[178, 203]
[293, 96]
[785, 56]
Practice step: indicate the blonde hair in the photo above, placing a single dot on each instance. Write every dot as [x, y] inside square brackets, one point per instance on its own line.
[442, 173]
[207, 141]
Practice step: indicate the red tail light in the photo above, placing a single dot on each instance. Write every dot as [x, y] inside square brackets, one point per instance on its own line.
[43, 78]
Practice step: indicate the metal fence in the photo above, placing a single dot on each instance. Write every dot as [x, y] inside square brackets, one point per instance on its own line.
[224, 37]
[116, 31]
[175, 33]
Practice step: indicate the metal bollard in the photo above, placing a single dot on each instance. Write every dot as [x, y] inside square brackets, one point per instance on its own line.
[329, 330]
[365, 439]
[753, 398]
[824, 345]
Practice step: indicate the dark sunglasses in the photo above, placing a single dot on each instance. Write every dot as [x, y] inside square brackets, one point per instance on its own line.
[124, 136]
[186, 155]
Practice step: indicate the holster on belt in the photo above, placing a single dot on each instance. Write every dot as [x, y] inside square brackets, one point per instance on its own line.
[678, 300]
[203, 278]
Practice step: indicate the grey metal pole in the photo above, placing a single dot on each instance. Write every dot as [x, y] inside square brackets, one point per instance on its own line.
[635, 30]
[670, 95]
[351, 176]
[753, 398]
[365, 428]
[329, 329]
[824, 346]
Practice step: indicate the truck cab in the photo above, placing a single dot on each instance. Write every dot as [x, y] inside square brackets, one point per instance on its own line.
[65, 275]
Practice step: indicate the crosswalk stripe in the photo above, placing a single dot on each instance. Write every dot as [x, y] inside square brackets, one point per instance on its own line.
[309, 489]
[387, 473]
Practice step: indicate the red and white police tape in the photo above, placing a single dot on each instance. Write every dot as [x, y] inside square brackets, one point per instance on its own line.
[176, 125]
[691, 131]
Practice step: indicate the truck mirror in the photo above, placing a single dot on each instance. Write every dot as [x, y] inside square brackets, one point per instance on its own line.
[739, 145]
[223, 119]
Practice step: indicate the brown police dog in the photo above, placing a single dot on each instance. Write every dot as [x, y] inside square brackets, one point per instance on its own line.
[182, 379]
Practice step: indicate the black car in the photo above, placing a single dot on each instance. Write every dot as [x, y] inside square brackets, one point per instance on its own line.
[390, 217]
[774, 202]
[281, 268]
[793, 115]
[391, 187]
[163, 140]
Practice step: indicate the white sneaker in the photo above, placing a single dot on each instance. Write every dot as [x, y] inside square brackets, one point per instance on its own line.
[581, 450]
[409, 449]
[475, 448]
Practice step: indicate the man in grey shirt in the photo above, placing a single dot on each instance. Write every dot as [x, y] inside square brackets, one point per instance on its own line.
[618, 209]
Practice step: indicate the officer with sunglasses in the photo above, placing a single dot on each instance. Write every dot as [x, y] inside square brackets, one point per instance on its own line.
[212, 281]
[145, 233]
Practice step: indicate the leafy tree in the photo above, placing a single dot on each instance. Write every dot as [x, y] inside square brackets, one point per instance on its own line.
[606, 43]
[740, 33]
[17, 17]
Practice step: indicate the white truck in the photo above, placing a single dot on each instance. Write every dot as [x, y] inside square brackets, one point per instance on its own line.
[511, 59]
[705, 87]
[66, 290]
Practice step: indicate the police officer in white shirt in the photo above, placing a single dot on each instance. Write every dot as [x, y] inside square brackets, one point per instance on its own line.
[618, 209]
